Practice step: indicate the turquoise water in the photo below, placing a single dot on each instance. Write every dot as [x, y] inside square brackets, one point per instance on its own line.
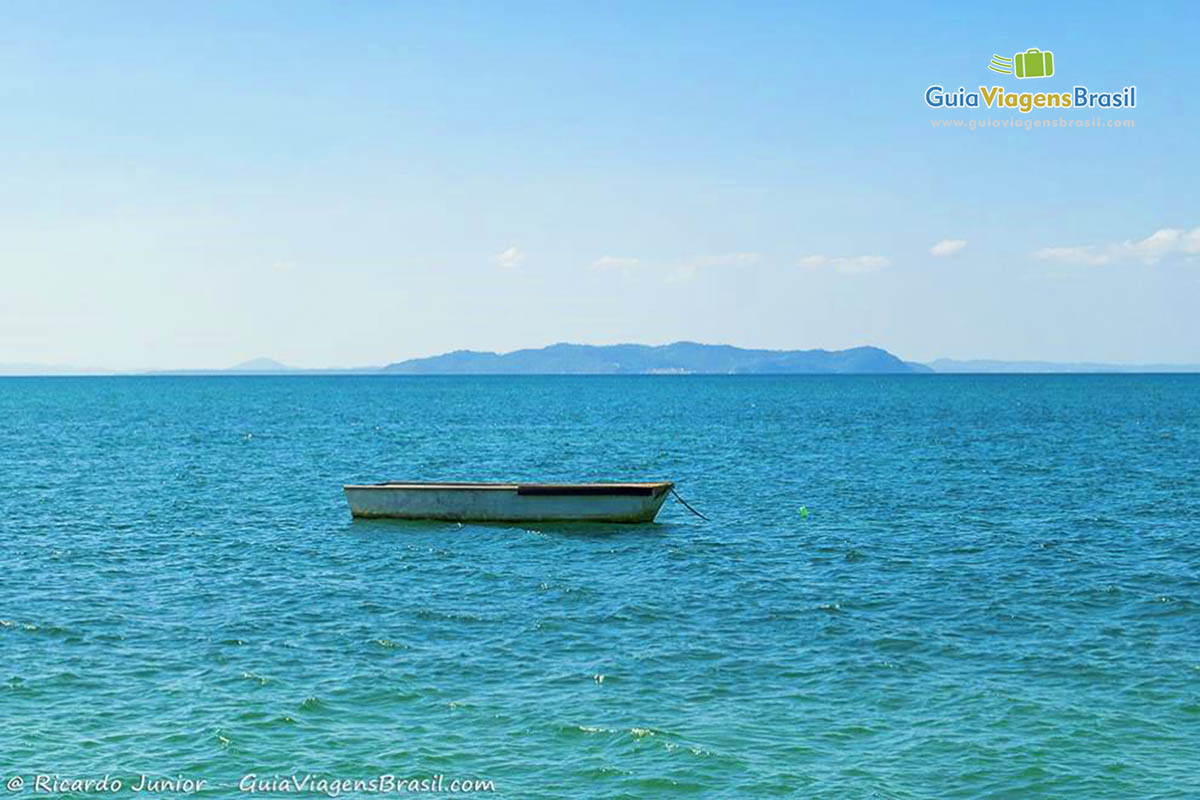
[995, 593]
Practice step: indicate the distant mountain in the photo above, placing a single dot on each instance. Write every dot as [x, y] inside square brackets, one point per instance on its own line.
[49, 369]
[640, 359]
[260, 365]
[950, 365]
[267, 366]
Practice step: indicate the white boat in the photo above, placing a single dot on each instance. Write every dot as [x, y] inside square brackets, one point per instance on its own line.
[510, 502]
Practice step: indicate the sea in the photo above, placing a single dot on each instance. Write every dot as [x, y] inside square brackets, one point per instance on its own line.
[921, 586]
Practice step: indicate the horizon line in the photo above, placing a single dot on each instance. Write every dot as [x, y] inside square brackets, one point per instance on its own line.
[264, 365]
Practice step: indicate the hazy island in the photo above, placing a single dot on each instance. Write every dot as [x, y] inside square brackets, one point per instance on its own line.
[680, 358]
[640, 359]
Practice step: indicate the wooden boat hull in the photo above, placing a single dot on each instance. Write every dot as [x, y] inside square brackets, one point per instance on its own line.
[510, 502]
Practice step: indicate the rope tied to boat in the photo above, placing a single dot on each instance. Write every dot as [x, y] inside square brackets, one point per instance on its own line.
[688, 505]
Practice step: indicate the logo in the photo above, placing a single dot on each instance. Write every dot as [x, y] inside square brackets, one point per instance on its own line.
[1033, 63]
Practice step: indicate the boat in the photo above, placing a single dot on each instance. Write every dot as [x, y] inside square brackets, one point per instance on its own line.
[509, 502]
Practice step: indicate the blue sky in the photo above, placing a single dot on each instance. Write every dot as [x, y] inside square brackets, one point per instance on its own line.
[193, 185]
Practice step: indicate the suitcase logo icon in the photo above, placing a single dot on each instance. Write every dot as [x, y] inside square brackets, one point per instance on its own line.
[1033, 63]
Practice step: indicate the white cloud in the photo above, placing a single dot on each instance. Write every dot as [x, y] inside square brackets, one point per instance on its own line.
[727, 260]
[616, 262]
[947, 247]
[678, 270]
[687, 269]
[1074, 255]
[682, 273]
[847, 265]
[510, 258]
[1161, 244]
